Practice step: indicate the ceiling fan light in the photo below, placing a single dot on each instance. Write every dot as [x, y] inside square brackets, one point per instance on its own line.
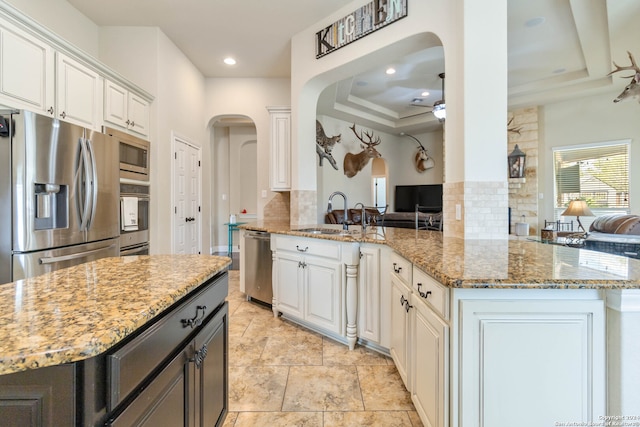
[439, 111]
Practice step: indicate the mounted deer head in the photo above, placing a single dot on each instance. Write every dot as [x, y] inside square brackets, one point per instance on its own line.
[421, 159]
[632, 90]
[353, 163]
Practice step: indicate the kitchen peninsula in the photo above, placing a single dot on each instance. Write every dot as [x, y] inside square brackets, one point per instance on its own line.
[516, 332]
[105, 341]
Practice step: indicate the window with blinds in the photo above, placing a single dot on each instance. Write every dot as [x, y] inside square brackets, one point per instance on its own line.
[598, 174]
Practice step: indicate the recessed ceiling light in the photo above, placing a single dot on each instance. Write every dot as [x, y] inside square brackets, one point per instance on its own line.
[390, 70]
[425, 93]
[361, 83]
[559, 70]
[229, 61]
[534, 22]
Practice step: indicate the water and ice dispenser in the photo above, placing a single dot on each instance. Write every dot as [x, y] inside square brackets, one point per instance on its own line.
[52, 207]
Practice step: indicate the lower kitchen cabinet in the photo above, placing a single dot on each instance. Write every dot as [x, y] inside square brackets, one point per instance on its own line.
[429, 364]
[531, 357]
[315, 282]
[400, 328]
[173, 372]
[374, 294]
[310, 288]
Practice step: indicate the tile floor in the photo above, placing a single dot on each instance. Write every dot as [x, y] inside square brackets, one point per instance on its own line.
[281, 374]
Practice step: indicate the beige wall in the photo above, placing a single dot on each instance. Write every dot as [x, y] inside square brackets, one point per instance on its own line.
[64, 20]
[397, 151]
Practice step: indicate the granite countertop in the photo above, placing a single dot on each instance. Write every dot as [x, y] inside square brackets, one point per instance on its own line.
[508, 263]
[79, 312]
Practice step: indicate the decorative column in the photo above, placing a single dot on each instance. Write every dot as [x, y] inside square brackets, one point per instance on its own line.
[352, 305]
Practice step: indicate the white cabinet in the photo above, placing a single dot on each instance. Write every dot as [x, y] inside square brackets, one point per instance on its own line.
[78, 93]
[369, 307]
[315, 283]
[400, 328]
[308, 281]
[429, 364]
[26, 70]
[524, 346]
[280, 158]
[400, 273]
[125, 109]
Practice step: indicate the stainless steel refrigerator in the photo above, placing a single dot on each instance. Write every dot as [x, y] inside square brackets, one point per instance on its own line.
[59, 195]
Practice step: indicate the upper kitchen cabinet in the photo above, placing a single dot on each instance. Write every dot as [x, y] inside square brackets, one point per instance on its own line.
[280, 164]
[78, 93]
[125, 109]
[26, 70]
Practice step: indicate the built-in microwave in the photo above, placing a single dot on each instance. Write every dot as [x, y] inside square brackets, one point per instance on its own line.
[134, 155]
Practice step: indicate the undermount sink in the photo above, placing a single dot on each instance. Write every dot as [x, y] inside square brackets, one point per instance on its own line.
[323, 231]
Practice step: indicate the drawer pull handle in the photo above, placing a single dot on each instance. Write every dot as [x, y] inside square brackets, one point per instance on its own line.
[197, 319]
[423, 294]
[199, 356]
[396, 269]
[306, 248]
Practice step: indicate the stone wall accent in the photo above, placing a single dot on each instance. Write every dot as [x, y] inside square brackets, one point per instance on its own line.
[304, 207]
[523, 192]
[484, 210]
[279, 207]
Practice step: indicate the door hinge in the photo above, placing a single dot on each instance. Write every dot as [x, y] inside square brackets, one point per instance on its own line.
[198, 208]
[175, 209]
[198, 163]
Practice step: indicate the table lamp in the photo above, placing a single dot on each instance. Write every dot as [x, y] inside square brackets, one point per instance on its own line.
[578, 208]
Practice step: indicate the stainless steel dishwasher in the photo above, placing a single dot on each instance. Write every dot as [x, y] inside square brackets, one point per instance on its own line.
[258, 262]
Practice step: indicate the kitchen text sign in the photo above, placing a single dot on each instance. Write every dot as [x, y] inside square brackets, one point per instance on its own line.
[363, 21]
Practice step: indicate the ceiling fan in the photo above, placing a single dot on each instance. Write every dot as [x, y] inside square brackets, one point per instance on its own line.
[438, 109]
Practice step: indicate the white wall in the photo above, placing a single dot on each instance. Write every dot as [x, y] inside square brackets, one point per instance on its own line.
[249, 98]
[147, 57]
[64, 20]
[590, 119]
[397, 151]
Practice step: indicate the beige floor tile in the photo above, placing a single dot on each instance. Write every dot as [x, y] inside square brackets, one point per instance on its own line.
[279, 419]
[246, 351]
[367, 418]
[230, 420]
[284, 350]
[383, 390]
[415, 419]
[322, 388]
[271, 327]
[335, 353]
[257, 388]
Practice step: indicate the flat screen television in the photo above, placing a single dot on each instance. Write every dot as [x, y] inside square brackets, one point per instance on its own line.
[429, 197]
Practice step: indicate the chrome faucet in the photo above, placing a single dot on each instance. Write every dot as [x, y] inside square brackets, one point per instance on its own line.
[345, 226]
[363, 216]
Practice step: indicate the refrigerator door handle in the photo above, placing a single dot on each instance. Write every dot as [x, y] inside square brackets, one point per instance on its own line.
[93, 194]
[84, 164]
[54, 259]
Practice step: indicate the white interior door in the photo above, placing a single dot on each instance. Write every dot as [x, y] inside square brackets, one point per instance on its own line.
[186, 195]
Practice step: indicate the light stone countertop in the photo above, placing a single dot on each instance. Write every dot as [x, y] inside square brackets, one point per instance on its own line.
[502, 264]
[79, 312]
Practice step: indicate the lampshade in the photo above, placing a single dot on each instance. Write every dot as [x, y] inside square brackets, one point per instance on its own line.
[577, 208]
[439, 111]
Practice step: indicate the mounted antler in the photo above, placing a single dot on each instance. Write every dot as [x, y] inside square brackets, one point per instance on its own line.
[353, 163]
[513, 129]
[368, 135]
[632, 90]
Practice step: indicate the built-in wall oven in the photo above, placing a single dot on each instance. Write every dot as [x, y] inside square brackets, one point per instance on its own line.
[134, 218]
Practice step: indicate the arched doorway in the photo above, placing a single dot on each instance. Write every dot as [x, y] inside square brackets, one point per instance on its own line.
[233, 179]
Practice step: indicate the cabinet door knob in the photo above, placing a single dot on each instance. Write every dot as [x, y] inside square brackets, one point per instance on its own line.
[133, 124]
[50, 110]
[127, 122]
[63, 114]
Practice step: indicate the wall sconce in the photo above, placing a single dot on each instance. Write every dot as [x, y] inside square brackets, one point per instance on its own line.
[516, 163]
